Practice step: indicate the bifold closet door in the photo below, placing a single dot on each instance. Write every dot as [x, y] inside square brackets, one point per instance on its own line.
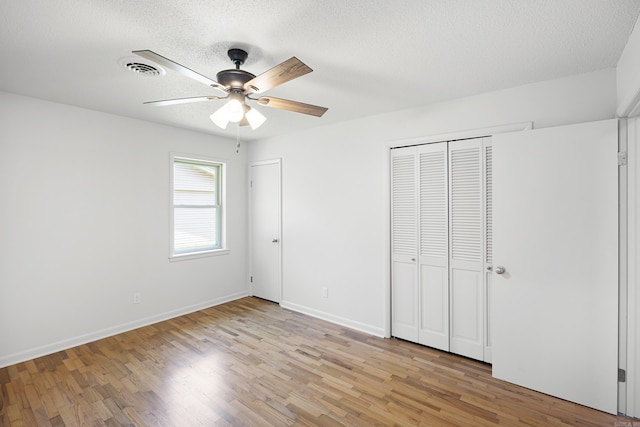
[404, 244]
[439, 231]
[488, 248]
[466, 254]
[420, 247]
[433, 245]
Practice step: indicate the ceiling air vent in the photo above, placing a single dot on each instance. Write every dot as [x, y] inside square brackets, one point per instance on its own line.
[139, 66]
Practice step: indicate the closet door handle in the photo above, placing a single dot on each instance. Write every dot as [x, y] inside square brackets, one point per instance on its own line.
[500, 270]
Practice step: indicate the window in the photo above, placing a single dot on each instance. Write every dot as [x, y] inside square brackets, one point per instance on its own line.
[197, 211]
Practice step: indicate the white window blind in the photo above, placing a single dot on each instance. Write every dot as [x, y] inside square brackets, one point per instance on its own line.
[197, 216]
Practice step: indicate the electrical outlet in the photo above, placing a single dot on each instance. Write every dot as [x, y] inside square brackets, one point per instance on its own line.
[136, 298]
[325, 293]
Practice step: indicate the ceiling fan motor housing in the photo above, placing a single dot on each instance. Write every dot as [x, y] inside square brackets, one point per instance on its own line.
[234, 79]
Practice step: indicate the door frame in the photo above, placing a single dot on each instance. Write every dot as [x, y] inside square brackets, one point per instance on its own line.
[278, 162]
[632, 401]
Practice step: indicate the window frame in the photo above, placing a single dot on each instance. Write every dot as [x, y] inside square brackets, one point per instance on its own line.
[221, 188]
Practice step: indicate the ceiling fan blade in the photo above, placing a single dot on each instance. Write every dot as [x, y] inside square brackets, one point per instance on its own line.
[187, 72]
[288, 70]
[295, 106]
[176, 101]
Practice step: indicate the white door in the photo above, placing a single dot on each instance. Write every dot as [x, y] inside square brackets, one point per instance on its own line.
[555, 232]
[404, 229]
[466, 230]
[434, 245]
[265, 203]
[487, 152]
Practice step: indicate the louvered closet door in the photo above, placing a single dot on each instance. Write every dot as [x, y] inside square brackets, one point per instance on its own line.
[404, 244]
[488, 246]
[433, 245]
[466, 258]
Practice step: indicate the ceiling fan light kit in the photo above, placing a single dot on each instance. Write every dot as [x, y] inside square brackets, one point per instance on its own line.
[239, 85]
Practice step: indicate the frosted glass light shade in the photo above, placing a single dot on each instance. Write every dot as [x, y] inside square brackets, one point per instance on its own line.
[220, 117]
[235, 111]
[255, 118]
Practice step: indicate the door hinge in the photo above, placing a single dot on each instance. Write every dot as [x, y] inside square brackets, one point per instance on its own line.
[622, 158]
[251, 184]
[622, 376]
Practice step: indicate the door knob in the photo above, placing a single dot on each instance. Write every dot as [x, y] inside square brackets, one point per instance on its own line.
[500, 269]
[274, 241]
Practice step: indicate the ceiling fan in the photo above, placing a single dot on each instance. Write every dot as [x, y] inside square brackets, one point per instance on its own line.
[240, 86]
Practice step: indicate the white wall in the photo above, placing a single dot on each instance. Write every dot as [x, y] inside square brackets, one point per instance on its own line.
[84, 223]
[336, 198]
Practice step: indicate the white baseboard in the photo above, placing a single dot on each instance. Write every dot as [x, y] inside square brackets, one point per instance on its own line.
[362, 327]
[46, 349]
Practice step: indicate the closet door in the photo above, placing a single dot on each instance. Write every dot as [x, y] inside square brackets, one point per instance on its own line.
[466, 256]
[434, 246]
[488, 247]
[404, 245]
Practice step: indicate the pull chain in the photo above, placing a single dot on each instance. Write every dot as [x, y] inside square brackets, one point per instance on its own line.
[238, 138]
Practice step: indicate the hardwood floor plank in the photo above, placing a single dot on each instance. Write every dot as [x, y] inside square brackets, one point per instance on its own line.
[251, 363]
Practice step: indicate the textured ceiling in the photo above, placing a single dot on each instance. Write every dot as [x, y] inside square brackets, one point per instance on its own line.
[369, 57]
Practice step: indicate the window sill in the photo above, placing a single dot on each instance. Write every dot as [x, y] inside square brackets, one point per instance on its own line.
[206, 254]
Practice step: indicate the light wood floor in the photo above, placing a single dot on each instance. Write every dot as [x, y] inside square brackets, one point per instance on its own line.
[250, 362]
